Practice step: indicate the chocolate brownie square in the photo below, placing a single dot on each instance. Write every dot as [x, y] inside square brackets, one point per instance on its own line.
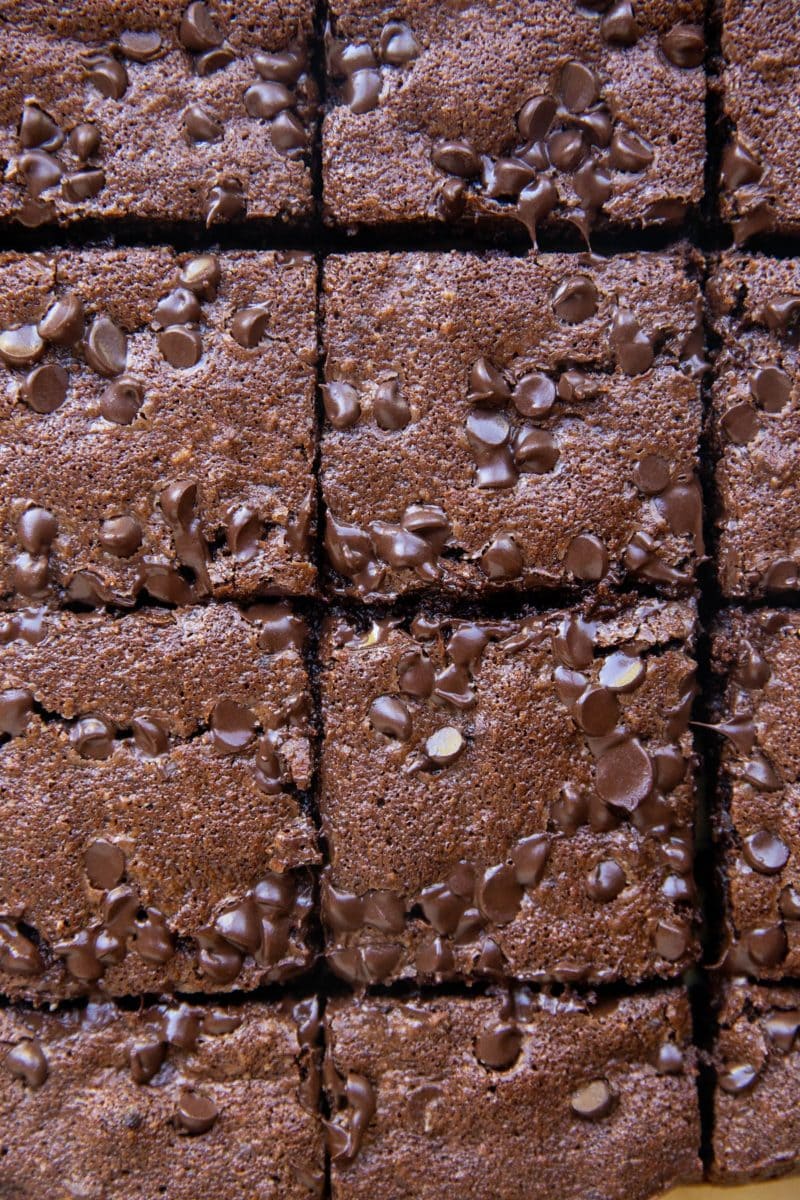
[544, 111]
[170, 1100]
[757, 1097]
[760, 80]
[500, 422]
[755, 308]
[152, 833]
[167, 111]
[156, 425]
[517, 1095]
[510, 797]
[757, 657]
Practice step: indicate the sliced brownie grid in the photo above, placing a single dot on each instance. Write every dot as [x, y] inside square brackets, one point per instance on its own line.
[156, 425]
[510, 797]
[166, 111]
[533, 112]
[510, 422]
[151, 834]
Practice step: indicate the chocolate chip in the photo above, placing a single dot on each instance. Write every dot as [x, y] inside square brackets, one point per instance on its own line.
[500, 894]
[630, 152]
[535, 451]
[624, 775]
[398, 44]
[575, 299]
[84, 141]
[771, 388]
[535, 118]
[38, 130]
[765, 852]
[121, 400]
[83, 185]
[213, 60]
[249, 326]
[121, 536]
[741, 423]
[670, 1059]
[605, 881]
[790, 903]
[579, 88]
[150, 736]
[180, 307]
[196, 1113]
[618, 26]
[486, 385]
[738, 1078]
[26, 1061]
[282, 66]
[536, 202]
[389, 716]
[197, 29]
[45, 387]
[356, 56]
[267, 98]
[92, 737]
[767, 945]
[597, 711]
[567, 149]
[362, 90]
[572, 644]
[739, 166]
[105, 864]
[502, 558]
[391, 411]
[146, 1059]
[37, 529]
[16, 706]
[671, 940]
[21, 347]
[63, 322]
[498, 1048]
[233, 727]
[529, 857]
[586, 558]
[487, 429]
[593, 1101]
[684, 45]
[444, 746]
[288, 134]
[106, 347]
[456, 158]
[200, 125]
[622, 673]
[496, 470]
[140, 46]
[225, 203]
[651, 474]
[201, 275]
[782, 1028]
[181, 347]
[107, 74]
[534, 395]
[341, 403]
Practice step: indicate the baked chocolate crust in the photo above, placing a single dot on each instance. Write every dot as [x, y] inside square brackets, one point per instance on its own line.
[519, 113]
[510, 798]
[521, 1096]
[151, 832]
[156, 425]
[172, 1099]
[167, 111]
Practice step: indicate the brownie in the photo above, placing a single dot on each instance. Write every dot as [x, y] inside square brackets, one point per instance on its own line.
[522, 1096]
[170, 1100]
[510, 797]
[755, 308]
[156, 425]
[156, 109]
[759, 83]
[757, 657]
[757, 1097]
[152, 833]
[501, 422]
[526, 113]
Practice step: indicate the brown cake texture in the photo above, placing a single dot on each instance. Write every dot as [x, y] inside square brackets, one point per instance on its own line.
[757, 1097]
[152, 835]
[161, 110]
[156, 425]
[757, 656]
[169, 1100]
[755, 308]
[759, 83]
[517, 1095]
[501, 422]
[510, 797]
[538, 112]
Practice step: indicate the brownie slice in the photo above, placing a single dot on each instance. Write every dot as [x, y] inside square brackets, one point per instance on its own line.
[755, 308]
[757, 1098]
[522, 1096]
[152, 834]
[510, 797]
[497, 422]
[544, 111]
[757, 656]
[169, 111]
[168, 1100]
[156, 425]
[760, 80]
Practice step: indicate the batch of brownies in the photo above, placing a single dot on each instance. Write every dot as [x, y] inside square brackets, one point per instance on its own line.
[399, 637]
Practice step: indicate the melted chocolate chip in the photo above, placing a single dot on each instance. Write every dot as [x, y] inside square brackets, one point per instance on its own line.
[618, 26]
[740, 423]
[233, 727]
[498, 1048]
[84, 141]
[26, 1061]
[624, 775]
[105, 864]
[398, 44]
[202, 275]
[771, 388]
[391, 411]
[739, 166]
[139, 45]
[180, 307]
[389, 716]
[150, 736]
[107, 74]
[21, 347]
[586, 558]
[456, 158]
[146, 1059]
[444, 746]
[93, 737]
[121, 536]
[502, 559]
[765, 852]
[249, 326]
[342, 406]
[225, 202]
[575, 299]
[605, 881]
[38, 130]
[121, 400]
[16, 706]
[535, 118]
[629, 151]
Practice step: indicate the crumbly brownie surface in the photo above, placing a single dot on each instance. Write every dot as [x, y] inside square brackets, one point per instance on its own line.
[755, 308]
[532, 112]
[496, 422]
[524, 1097]
[757, 1098]
[510, 797]
[150, 832]
[760, 80]
[156, 425]
[757, 656]
[172, 1100]
[165, 111]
